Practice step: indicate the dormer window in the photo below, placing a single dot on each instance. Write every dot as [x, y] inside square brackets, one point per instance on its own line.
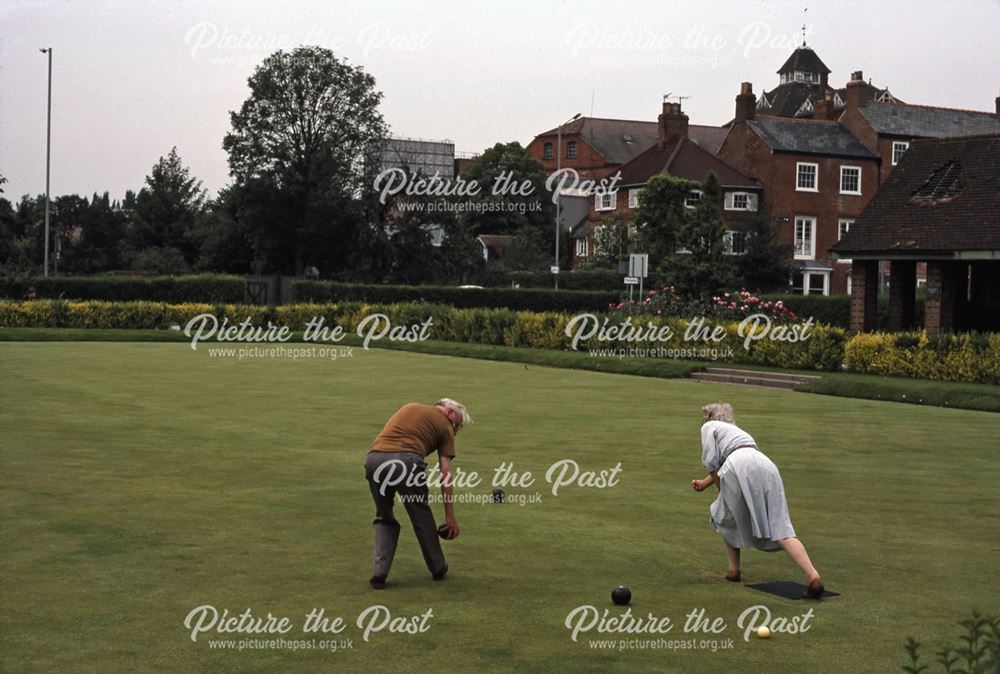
[628, 138]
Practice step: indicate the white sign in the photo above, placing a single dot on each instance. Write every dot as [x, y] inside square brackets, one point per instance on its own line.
[631, 280]
[554, 269]
[637, 264]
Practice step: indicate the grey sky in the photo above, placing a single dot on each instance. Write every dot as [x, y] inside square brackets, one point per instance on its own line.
[132, 79]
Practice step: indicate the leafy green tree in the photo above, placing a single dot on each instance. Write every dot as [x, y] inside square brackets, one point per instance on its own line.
[28, 246]
[303, 146]
[66, 219]
[460, 256]
[764, 264]
[166, 209]
[225, 242]
[686, 245]
[611, 244]
[97, 244]
[507, 212]
[661, 215]
[704, 268]
[526, 252]
[160, 260]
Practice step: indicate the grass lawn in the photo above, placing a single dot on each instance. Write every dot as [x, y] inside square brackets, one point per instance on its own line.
[140, 481]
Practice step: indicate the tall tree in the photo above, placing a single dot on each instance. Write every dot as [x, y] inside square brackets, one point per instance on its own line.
[764, 264]
[611, 244]
[701, 265]
[166, 209]
[502, 210]
[661, 215]
[687, 245]
[309, 133]
[225, 243]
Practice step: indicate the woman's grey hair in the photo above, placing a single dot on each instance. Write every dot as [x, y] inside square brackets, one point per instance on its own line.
[458, 407]
[718, 412]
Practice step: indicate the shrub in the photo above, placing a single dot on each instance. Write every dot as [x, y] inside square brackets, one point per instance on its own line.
[948, 357]
[828, 309]
[517, 299]
[729, 306]
[177, 289]
[501, 327]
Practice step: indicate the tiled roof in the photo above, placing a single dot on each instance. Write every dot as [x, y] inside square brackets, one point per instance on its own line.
[621, 140]
[804, 59]
[927, 122]
[809, 136]
[943, 196]
[682, 159]
[840, 99]
[786, 99]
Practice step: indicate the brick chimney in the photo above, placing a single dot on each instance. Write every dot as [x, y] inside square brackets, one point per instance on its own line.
[746, 103]
[825, 108]
[672, 123]
[857, 91]
[998, 104]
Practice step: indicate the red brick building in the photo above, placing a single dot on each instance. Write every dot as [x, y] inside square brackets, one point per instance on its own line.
[816, 177]
[597, 147]
[805, 91]
[888, 128]
[678, 154]
[940, 206]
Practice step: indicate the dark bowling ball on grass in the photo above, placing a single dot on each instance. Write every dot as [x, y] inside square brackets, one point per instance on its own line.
[621, 595]
[498, 495]
[443, 531]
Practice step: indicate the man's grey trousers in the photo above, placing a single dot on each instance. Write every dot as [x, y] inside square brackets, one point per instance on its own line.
[389, 473]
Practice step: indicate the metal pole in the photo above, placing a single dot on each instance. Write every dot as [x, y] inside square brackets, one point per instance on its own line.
[48, 159]
[558, 197]
[559, 193]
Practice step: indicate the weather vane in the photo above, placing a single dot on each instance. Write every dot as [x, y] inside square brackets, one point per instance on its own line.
[804, 10]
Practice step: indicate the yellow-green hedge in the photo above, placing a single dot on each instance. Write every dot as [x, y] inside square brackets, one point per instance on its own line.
[964, 357]
[824, 350]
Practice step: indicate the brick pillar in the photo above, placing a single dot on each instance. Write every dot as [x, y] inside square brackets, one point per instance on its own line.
[902, 294]
[939, 309]
[864, 295]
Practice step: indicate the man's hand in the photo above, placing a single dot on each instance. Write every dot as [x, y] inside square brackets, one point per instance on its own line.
[699, 485]
[447, 493]
[451, 525]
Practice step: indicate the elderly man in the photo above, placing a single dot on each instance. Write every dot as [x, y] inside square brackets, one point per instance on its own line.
[396, 463]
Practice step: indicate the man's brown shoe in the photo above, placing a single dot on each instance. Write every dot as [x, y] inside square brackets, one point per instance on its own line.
[733, 576]
[814, 590]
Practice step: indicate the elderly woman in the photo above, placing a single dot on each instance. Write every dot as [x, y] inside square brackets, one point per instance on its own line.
[750, 510]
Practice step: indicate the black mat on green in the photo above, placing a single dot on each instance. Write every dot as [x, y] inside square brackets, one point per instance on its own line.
[786, 589]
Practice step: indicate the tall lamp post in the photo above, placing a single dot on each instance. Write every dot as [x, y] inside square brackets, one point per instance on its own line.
[559, 193]
[48, 156]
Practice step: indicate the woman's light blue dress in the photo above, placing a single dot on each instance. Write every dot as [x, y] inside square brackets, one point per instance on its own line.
[750, 510]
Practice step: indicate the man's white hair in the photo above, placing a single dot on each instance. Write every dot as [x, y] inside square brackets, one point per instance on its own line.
[718, 412]
[458, 407]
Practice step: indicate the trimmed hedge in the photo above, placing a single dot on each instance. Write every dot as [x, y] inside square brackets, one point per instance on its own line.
[836, 309]
[828, 309]
[517, 299]
[175, 289]
[583, 279]
[502, 327]
[968, 357]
